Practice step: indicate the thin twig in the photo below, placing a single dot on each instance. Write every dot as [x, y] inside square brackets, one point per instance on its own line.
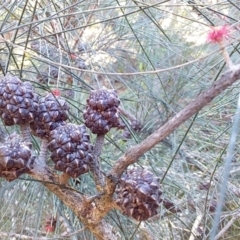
[76, 232]
[66, 225]
[234, 190]
[178, 228]
[87, 22]
[145, 232]
[21, 236]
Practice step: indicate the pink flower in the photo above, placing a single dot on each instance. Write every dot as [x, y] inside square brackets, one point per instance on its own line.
[56, 92]
[218, 34]
[73, 56]
[49, 228]
[50, 224]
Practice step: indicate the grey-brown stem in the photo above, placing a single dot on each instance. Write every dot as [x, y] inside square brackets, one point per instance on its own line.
[3, 134]
[96, 166]
[25, 132]
[133, 153]
[43, 151]
[90, 215]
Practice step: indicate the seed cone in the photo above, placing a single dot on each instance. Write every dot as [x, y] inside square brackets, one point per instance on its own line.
[18, 102]
[101, 112]
[54, 72]
[51, 113]
[139, 194]
[15, 156]
[70, 149]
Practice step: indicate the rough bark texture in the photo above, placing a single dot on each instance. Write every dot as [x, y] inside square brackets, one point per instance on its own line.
[89, 212]
[96, 166]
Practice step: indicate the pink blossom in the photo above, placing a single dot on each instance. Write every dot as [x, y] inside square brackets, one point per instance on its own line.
[50, 224]
[56, 92]
[49, 228]
[218, 34]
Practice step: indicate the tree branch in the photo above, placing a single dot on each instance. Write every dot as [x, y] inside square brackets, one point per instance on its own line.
[87, 212]
[133, 153]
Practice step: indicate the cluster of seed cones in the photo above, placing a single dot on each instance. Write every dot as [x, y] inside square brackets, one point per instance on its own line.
[138, 191]
[18, 105]
[139, 194]
[69, 144]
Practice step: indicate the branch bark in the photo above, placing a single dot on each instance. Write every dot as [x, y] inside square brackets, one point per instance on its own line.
[133, 153]
[89, 213]
[96, 166]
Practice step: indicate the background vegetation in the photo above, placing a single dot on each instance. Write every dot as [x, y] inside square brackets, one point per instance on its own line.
[76, 46]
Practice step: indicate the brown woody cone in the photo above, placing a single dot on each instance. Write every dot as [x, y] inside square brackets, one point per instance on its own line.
[18, 102]
[139, 194]
[70, 149]
[101, 112]
[51, 113]
[15, 156]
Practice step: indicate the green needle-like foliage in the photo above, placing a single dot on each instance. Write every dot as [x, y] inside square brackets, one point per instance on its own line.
[155, 54]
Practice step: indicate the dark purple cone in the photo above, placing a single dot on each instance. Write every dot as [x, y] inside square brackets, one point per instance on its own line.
[18, 101]
[71, 149]
[15, 156]
[139, 194]
[52, 112]
[101, 112]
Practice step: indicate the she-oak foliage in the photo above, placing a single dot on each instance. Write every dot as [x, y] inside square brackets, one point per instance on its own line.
[104, 183]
